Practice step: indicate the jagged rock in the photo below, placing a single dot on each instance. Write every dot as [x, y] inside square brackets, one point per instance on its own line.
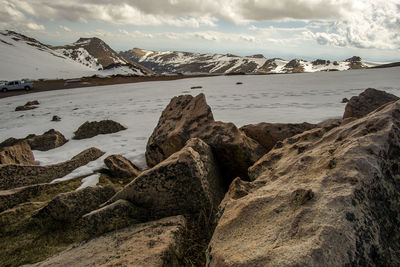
[13, 197]
[156, 243]
[190, 117]
[186, 183]
[268, 134]
[71, 206]
[20, 153]
[121, 167]
[28, 106]
[49, 140]
[56, 118]
[112, 217]
[91, 129]
[12, 176]
[335, 204]
[367, 101]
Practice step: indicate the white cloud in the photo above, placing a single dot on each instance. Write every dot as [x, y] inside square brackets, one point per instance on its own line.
[35, 27]
[64, 28]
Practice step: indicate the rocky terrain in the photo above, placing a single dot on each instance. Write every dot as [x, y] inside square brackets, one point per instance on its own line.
[213, 194]
[185, 62]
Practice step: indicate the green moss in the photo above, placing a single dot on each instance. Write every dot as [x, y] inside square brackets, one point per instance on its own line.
[49, 193]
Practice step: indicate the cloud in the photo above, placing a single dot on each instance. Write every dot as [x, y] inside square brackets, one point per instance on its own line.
[35, 27]
[64, 28]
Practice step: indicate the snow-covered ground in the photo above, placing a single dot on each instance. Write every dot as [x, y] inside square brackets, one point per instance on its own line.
[310, 97]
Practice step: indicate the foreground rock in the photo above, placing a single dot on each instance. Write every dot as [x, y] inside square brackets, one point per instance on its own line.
[69, 207]
[20, 153]
[367, 101]
[190, 117]
[268, 134]
[12, 176]
[49, 140]
[112, 217]
[91, 129]
[334, 202]
[121, 167]
[186, 183]
[28, 106]
[154, 243]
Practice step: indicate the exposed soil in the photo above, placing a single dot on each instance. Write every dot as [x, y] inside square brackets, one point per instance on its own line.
[48, 85]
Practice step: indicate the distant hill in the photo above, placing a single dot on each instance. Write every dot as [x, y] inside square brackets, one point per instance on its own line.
[185, 62]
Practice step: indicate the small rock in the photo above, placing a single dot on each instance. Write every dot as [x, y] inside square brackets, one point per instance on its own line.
[196, 87]
[56, 118]
[28, 106]
[91, 129]
[345, 100]
[238, 83]
[121, 167]
[32, 103]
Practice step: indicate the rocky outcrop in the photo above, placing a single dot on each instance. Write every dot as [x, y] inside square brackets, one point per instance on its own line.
[12, 176]
[112, 217]
[268, 134]
[28, 106]
[367, 101]
[190, 117]
[322, 198]
[91, 129]
[20, 153]
[49, 140]
[69, 207]
[156, 243]
[186, 183]
[121, 167]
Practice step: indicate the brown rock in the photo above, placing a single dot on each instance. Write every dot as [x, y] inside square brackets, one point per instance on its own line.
[56, 118]
[121, 167]
[112, 217]
[71, 206]
[367, 101]
[345, 100]
[49, 140]
[268, 134]
[91, 129]
[20, 153]
[301, 212]
[190, 117]
[28, 106]
[187, 182]
[12, 176]
[154, 243]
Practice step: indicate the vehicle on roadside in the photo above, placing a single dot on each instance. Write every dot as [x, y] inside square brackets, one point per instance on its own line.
[17, 85]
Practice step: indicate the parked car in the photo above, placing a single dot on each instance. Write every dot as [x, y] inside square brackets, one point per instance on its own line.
[17, 85]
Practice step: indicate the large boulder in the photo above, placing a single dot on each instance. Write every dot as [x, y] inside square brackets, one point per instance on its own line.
[12, 175]
[20, 153]
[187, 182]
[68, 207]
[91, 129]
[190, 117]
[49, 140]
[367, 101]
[322, 198]
[121, 167]
[112, 217]
[268, 134]
[153, 244]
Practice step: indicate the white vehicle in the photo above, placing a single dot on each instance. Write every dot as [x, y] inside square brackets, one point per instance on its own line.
[17, 85]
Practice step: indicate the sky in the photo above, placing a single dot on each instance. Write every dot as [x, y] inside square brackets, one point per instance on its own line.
[308, 29]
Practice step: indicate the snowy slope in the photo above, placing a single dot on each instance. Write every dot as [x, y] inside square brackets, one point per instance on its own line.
[310, 97]
[24, 57]
[184, 62]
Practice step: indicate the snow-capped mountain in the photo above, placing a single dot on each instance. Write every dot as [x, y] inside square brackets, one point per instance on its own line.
[23, 57]
[96, 54]
[185, 62]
